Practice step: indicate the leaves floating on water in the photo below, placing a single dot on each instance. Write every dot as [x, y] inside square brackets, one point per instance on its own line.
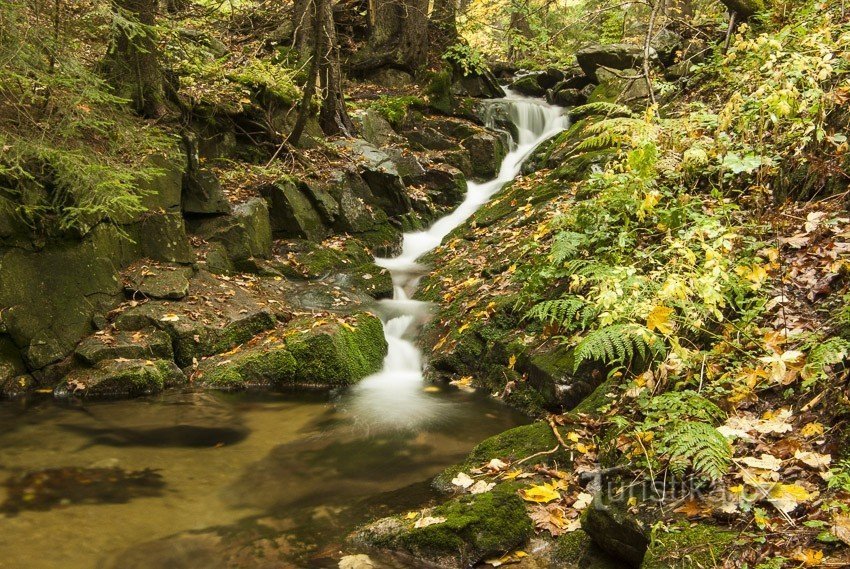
[54, 487]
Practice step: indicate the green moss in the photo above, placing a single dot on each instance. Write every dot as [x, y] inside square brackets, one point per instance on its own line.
[513, 444]
[475, 526]
[688, 546]
[395, 109]
[599, 398]
[196, 340]
[576, 549]
[439, 91]
[271, 80]
[337, 354]
[265, 365]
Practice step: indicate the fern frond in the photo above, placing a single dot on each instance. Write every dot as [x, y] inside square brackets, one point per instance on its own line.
[698, 445]
[683, 405]
[602, 108]
[565, 312]
[825, 354]
[618, 343]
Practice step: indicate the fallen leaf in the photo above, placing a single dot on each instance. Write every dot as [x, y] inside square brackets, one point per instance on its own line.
[551, 518]
[583, 500]
[841, 528]
[541, 494]
[812, 429]
[766, 462]
[428, 521]
[691, 509]
[786, 497]
[496, 465]
[813, 459]
[481, 487]
[359, 561]
[809, 557]
[463, 480]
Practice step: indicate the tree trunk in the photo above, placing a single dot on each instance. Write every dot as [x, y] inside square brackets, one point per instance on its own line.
[444, 21]
[303, 17]
[518, 27]
[398, 38]
[132, 64]
[746, 8]
[333, 117]
[309, 13]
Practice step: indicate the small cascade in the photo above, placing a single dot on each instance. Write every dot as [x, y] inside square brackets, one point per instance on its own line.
[395, 396]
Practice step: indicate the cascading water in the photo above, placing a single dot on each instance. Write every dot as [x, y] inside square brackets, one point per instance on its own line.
[395, 395]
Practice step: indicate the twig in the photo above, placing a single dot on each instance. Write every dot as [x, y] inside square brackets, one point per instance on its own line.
[647, 45]
[535, 455]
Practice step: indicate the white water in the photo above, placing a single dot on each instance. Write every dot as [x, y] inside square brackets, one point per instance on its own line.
[395, 396]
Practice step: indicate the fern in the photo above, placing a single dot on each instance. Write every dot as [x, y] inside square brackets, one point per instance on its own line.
[602, 108]
[698, 446]
[618, 343]
[683, 405]
[565, 312]
[823, 355]
[611, 133]
[566, 244]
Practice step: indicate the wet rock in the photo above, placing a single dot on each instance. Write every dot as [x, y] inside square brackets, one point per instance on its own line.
[528, 85]
[445, 184]
[381, 175]
[291, 212]
[477, 85]
[409, 168]
[334, 353]
[486, 152]
[163, 192]
[474, 527]
[551, 374]
[202, 193]
[550, 77]
[617, 531]
[11, 364]
[246, 234]
[428, 138]
[618, 56]
[566, 97]
[143, 344]
[161, 282]
[121, 378]
[374, 128]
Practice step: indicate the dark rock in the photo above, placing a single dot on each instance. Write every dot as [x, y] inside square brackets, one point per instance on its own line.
[567, 98]
[148, 343]
[163, 191]
[551, 375]
[576, 549]
[667, 44]
[445, 184]
[170, 283]
[381, 175]
[549, 78]
[486, 152]
[615, 530]
[121, 378]
[528, 85]
[162, 237]
[11, 364]
[614, 56]
[291, 212]
[202, 193]
[428, 138]
[745, 8]
[574, 78]
[391, 78]
[246, 234]
[627, 87]
[409, 168]
[374, 128]
[478, 85]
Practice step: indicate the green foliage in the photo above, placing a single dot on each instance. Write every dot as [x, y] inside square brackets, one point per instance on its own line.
[840, 476]
[618, 343]
[682, 405]
[395, 109]
[469, 60]
[822, 355]
[568, 313]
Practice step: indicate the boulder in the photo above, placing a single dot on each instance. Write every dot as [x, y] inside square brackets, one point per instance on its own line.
[445, 184]
[121, 378]
[49, 297]
[576, 549]
[153, 281]
[667, 45]
[11, 364]
[292, 213]
[428, 138]
[391, 78]
[408, 166]
[550, 373]
[627, 87]
[528, 85]
[616, 531]
[246, 234]
[333, 353]
[162, 237]
[374, 128]
[745, 8]
[163, 191]
[474, 527]
[202, 193]
[149, 343]
[566, 97]
[550, 77]
[381, 175]
[477, 85]
[613, 56]
[486, 152]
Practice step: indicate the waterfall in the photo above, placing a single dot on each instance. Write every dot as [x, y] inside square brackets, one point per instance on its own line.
[395, 395]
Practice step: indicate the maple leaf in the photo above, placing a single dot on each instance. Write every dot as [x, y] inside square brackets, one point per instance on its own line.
[463, 480]
[426, 521]
[660, 318]
[786, 497]
[543, 494]
[779, 365]
[809, 557]
[812, 429]
[481, 487]
[691, 509]
[813, 459]
[841, 528]
[551, 518]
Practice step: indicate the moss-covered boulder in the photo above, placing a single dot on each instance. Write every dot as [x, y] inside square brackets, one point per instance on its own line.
[685, 545]
[615, 529]
[291, 212]
[246, 234]
[463, 531]
[145, 280]
[577, 550]
[120, 378]
[202, 193]
[528, 85]
[514, 444]
[374, 128]
[486, 151]
[162, 237]
[381, 175]
[267, 364]
[615, 56]
[336, 351]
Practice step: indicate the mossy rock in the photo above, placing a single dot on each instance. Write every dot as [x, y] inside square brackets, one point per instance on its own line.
[143, 344]
[475, 526]
[121, 378]
[684, 545]
[269, 364]
[576, 549]
[619, 532]
[514, 444]
[336, 353]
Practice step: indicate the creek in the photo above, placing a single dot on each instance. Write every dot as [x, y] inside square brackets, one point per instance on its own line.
[188, 479]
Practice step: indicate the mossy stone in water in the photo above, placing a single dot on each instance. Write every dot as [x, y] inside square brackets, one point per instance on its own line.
[121, 378]
[267, 365]
[475, 526]
[576, 549]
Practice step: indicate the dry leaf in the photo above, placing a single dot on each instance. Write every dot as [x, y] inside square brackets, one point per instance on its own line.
[481, 487]
[541, 494]
[766, 462]
[463, 480]
[428, 521]
[841, 528]
[813, 459]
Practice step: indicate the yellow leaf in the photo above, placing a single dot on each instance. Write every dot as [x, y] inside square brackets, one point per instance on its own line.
[512, 474]
[512, 361]
[660, 318]
[412, 515]
[573, 436]
[463, 328]
[786, 497]
[809, 557]
[541, 494]
[812, 430]
[756, 274]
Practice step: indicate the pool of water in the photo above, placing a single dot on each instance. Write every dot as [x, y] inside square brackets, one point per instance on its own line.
[230, 475]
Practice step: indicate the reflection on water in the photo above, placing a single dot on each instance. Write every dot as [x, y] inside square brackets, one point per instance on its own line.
[247, 480]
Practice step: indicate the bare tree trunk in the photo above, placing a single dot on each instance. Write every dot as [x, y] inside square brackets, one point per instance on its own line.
[132, 65]
[399, 36]
[333, 117]
[309, 13]
[444, 20]
[303, 17]
[518, 27]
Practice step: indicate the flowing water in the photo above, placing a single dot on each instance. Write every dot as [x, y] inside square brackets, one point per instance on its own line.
[206, 480]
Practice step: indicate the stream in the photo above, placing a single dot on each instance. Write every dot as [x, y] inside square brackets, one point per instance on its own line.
[190, 479]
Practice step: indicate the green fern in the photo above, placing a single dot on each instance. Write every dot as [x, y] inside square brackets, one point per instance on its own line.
[610, 133]
[618, 343]
[824, 354]
[699, 446]
[566, 244]
[565, 312]
[682, 405]
[602, 108]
